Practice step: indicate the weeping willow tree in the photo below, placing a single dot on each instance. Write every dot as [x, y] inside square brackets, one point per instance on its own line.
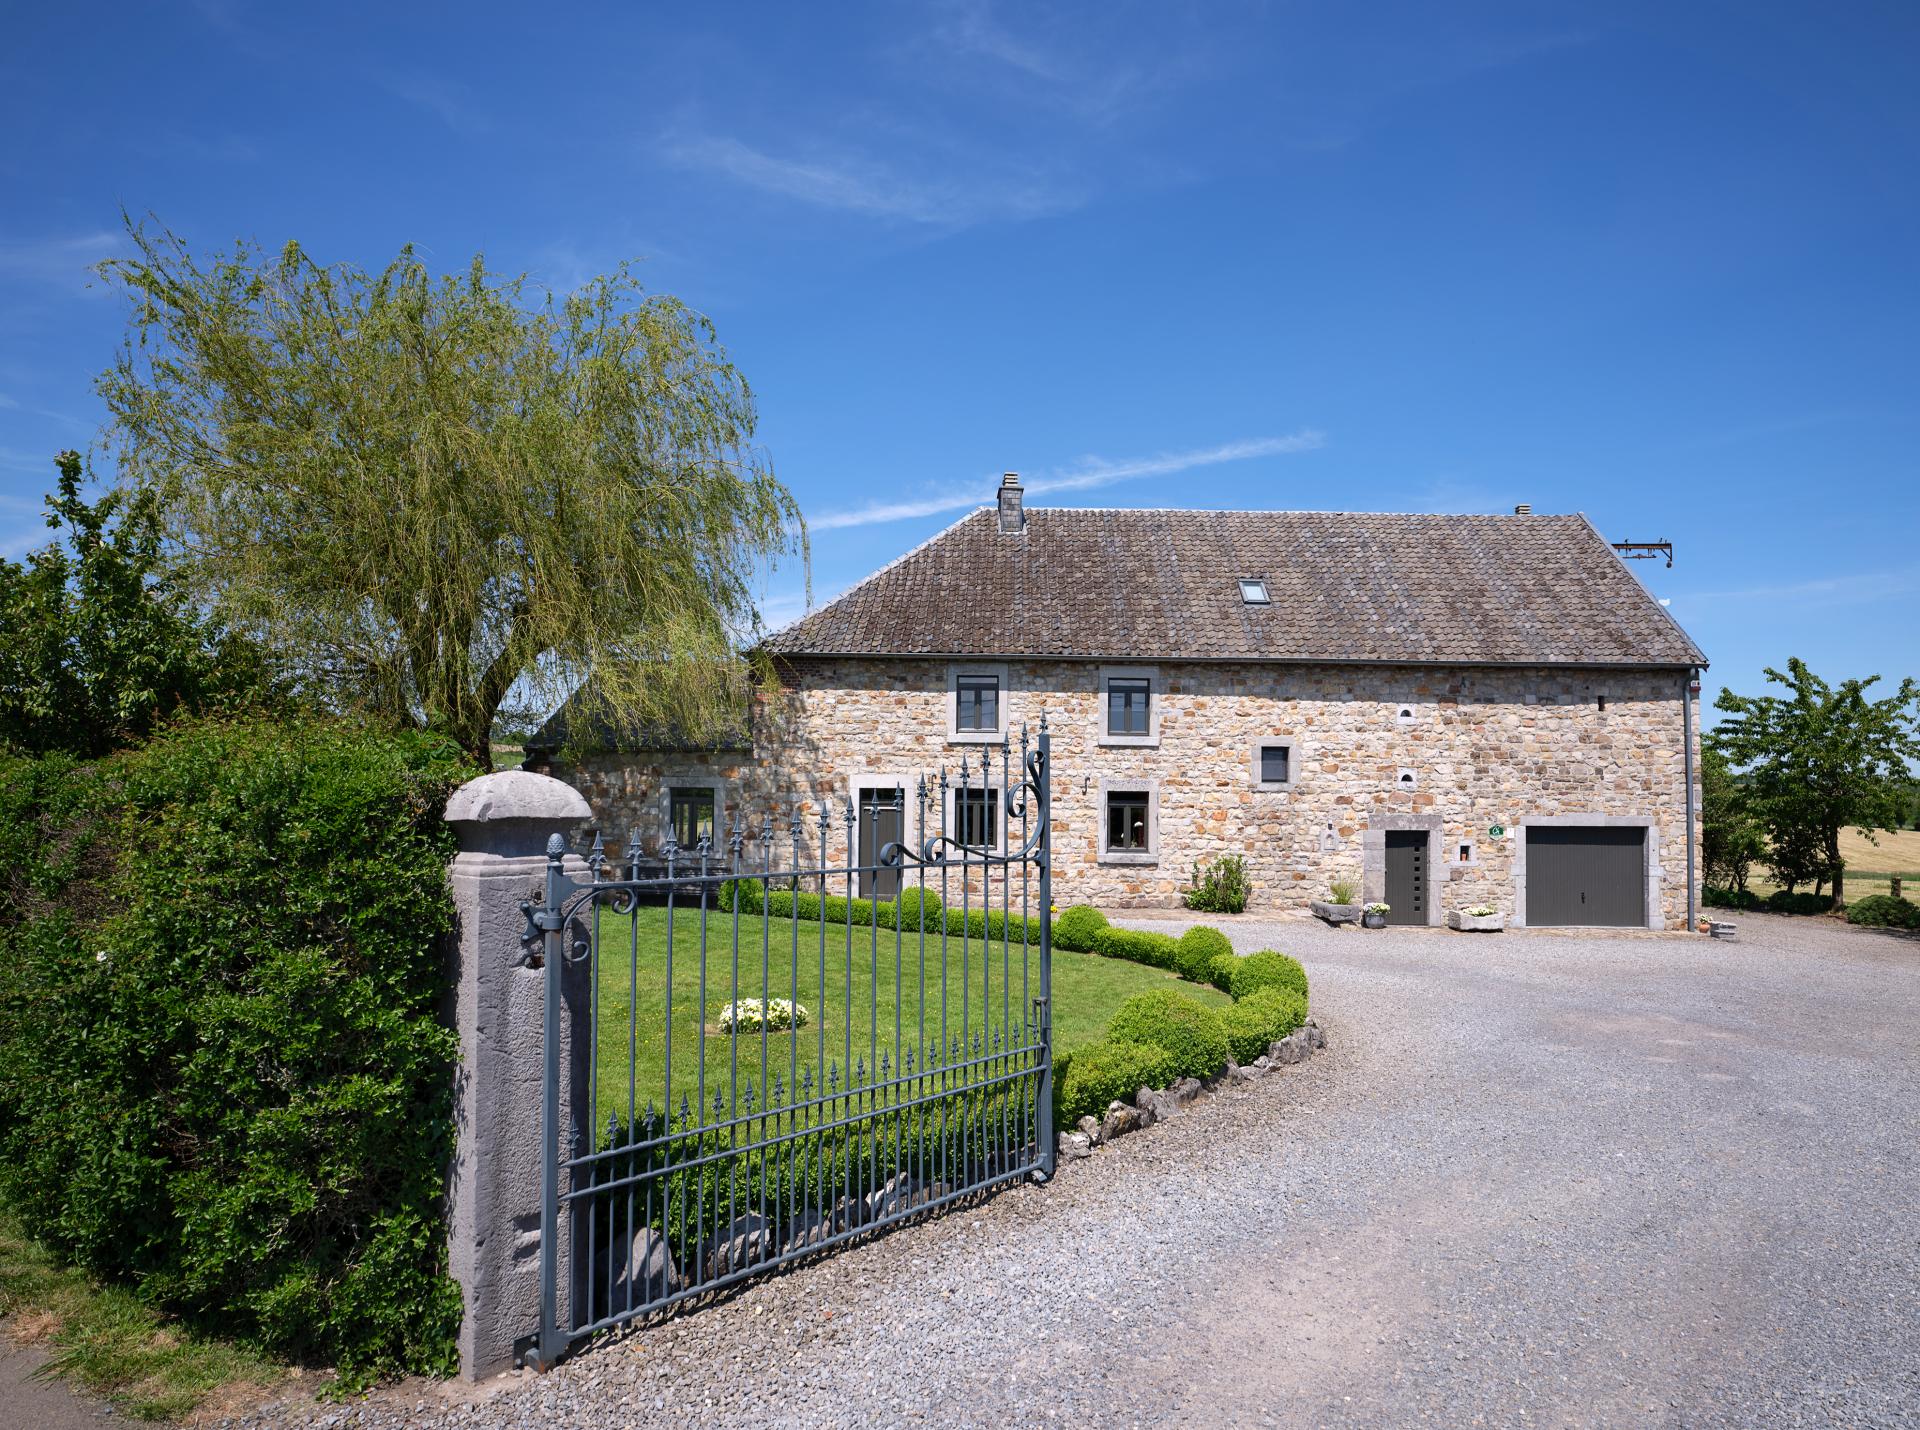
[425, 493]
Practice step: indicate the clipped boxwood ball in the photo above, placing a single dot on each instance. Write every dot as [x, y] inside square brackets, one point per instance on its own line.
[1199, 946]
[1107, 1072]
[1261, 1019]
[1189, 1030]
[1220, 973]
[919, 908]
[1076, 929]
[1267, 969]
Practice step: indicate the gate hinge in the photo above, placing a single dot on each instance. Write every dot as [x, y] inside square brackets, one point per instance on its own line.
[540, 920]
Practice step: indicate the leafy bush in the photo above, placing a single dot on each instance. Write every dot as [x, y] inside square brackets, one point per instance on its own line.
[1256, 1022]
[1222, 888]
[1730, 898]
[223, 1073]
[1077, 928]
[1190, 1031]
[1156, 950]
[1102, 1073]
[916, 909]
[1783, 902]
[1220, 972]
[1883, 911]
[1343, 891]
[1198, 947]
[1268, 969]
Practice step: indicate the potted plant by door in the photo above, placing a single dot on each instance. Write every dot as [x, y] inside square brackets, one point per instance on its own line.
[1339, 906]
[1375, 916]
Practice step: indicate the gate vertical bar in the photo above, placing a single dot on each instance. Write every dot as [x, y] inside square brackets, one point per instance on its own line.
[1049, 1149]
[553, 1338]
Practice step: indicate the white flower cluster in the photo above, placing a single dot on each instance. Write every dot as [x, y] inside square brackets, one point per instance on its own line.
[752, 1015]
[1482, 911]
[1379, 908]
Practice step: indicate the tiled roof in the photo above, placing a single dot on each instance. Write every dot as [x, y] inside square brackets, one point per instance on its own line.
[1345, 586]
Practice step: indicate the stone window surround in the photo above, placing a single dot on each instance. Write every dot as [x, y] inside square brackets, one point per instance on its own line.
[999, 792]
[720, 801]
[1292, 780]
[1472, 859]
[1147, 856]
[1373, 857]
[1656, 919]
[1148, 673]
[958, 668]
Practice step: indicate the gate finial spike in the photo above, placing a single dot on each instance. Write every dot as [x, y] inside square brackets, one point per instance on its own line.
[556, 846]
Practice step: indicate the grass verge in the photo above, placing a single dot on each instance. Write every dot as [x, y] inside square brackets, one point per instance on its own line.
[107, 1341]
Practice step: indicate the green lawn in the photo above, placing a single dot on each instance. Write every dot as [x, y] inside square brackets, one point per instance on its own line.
[868, 1007]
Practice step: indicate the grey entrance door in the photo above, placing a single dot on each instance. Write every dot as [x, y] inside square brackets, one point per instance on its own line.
[883, 816]
[1407, 876]
[1586, 875]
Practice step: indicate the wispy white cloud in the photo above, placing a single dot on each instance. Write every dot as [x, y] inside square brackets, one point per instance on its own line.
[1854, 589]
[66, 261]
[857, 183]
[1087, 474]
[446, 100]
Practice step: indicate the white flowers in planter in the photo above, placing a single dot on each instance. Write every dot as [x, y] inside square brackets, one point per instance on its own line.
[1379, 908]
[753, 1015]
[1480, 911]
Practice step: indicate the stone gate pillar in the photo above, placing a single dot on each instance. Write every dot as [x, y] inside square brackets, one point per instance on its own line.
[503, 822]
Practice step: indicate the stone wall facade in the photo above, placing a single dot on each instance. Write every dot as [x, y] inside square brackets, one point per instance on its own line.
[1457, 752]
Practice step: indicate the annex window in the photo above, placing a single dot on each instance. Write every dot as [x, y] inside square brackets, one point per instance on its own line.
[976, 818]
[977, 703]
[690, 815]
[1128, 701]
[1127, 828]
[1254, 591]
[1275, 765]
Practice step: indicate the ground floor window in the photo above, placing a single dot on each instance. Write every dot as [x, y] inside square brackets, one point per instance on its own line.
[976, 817]
[1127, 830]
[690, 815]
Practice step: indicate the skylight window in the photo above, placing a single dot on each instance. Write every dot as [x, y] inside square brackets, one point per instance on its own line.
[1254, 592]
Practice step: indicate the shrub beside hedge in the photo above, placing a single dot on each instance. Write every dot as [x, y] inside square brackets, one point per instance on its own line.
[1088, 1079]
[1267, 969]
[1730, 898]
[1782, 902]
[1883, 911]
[1077, 928]
[1220, 972]
[223, 1073]
[1197, 949]
[1189, 1030]
[1256, 1022]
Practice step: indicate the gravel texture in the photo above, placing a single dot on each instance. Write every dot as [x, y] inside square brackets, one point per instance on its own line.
[1534, 1179]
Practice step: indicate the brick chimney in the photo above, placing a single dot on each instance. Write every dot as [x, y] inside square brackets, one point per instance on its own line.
[1012, 518]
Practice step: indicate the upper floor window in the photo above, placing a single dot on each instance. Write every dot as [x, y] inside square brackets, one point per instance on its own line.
[1275, 763]
[1128, 699]
[976, 706]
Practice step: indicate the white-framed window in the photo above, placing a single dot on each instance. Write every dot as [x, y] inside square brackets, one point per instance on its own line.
[1464, 852]
[1253, 591]
[1129, 822]
[1129, 705]
[976, 703]
[1275, 763]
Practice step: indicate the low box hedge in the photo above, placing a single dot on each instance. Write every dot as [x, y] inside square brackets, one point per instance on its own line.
[1262, 1018]
[1196, 950]
[1268, 969]
[1090, 1078]
[1189, 1030]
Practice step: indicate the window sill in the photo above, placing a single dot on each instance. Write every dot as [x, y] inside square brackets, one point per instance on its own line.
[1285, 788]
[1124, 856]
[975, 737]
[1126, 742]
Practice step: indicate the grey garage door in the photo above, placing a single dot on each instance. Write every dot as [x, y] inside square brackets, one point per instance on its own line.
[1579, 874]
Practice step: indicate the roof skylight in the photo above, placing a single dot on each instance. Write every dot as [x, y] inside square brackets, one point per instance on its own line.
[1254, 592]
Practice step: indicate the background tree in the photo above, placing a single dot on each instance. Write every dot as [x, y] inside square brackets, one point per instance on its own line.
[1730, 837]
[427, 493]
[1819, 760]
[97, 645]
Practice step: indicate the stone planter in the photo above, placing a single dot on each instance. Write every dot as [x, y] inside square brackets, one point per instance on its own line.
[1373, 921]
[1336, 913]
[1475, 923]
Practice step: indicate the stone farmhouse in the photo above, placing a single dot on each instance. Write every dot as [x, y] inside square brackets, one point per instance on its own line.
[1448, 710]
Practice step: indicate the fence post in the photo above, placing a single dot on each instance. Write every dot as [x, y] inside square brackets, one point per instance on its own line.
[503, 822]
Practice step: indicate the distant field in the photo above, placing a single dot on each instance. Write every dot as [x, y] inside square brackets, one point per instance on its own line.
[1869, 866]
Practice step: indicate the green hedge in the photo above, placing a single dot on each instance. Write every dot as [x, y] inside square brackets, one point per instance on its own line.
[1782, 902]
[908, 915]
[1883, 911]
[224, 1077]
[1077, 928]
[1220, 972]
[1259, 1020]
[1089, 1078]
[1189, 1030]
[1155, 950]
[1267, 969]
[1198, 947]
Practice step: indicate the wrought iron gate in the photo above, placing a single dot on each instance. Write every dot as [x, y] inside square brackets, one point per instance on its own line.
[774, 1066]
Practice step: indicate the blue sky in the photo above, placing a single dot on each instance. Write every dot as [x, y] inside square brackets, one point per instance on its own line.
[1656, 263]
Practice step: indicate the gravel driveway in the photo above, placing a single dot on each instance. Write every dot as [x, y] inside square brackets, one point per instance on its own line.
[1535, 1179]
